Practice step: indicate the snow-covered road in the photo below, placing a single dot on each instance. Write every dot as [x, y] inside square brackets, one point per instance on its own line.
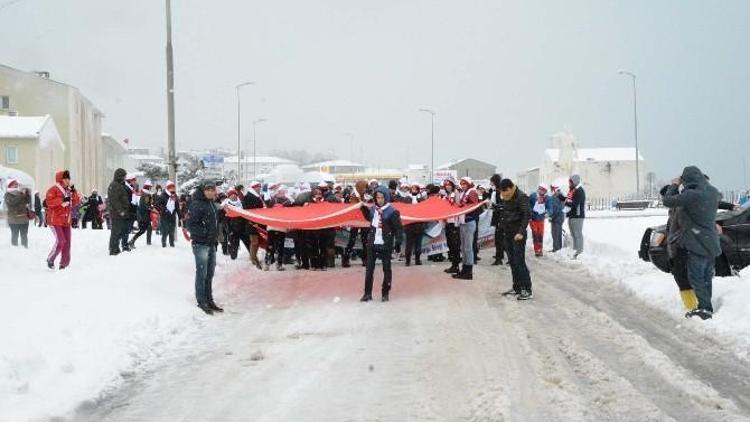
[298, 346]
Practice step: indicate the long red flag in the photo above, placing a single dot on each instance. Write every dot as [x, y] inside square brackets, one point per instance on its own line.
[325, 215]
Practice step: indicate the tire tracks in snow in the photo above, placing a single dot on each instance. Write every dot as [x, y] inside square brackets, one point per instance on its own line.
[603, 337]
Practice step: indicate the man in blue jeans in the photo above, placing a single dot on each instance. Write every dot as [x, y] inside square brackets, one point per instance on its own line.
[698, 202]
[203, 226]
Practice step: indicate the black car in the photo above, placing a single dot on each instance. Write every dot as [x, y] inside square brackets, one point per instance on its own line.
[734, 236]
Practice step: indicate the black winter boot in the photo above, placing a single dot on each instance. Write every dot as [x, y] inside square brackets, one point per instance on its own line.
[453, 269]
[465, 274]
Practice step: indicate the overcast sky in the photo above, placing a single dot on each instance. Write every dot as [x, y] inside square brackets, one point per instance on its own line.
[502, 75]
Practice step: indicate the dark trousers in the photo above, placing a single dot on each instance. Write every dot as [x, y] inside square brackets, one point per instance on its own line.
[700, 273]
[556, 229]
[414, 242]
[39, 217]
[475, 244]
[144, 226]
[328, 245]
[275, 247]
[680, 269]
[125, 233]
[373, 253]
[167, 226]
[300, 249]
[362, 232]
[499, 243]
[316, 247]
[453, 238]
[516, 250]
[205, 263]
[237, 234]
[115, 235]
[19, 229]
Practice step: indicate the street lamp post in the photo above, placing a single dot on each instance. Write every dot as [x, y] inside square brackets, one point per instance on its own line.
[432, 141]
[255, 162]
[239, 128]
[635, 129]
[351, 144]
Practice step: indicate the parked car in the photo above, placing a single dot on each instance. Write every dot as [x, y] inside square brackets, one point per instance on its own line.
[734, 236]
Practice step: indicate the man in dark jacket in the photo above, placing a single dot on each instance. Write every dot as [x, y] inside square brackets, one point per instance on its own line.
[698, 203]
[514, 219]
[92, 211]
[38, 210]
[118, 201]
[169, 208]
[575, 208]
[385, 231]
[203, 225]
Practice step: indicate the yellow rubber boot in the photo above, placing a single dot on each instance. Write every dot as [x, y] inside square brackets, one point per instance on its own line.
[689, 299]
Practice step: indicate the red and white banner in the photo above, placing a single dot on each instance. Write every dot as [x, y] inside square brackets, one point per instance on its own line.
[325, 215]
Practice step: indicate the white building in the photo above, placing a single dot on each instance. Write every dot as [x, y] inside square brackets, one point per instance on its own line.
[335, 167]
[251, 167]
[607, 173]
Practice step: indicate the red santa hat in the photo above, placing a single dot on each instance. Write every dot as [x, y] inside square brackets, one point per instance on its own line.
[147, 184]
[231, 192]
[255, 184]
[130, 176]
[12, 183]
[468, 181]
[170, 184]
[542, 187]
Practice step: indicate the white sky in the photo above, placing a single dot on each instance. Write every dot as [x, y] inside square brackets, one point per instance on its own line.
[502, 75]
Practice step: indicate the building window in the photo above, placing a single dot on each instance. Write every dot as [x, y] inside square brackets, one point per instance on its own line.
[11, 154]
[4, 102]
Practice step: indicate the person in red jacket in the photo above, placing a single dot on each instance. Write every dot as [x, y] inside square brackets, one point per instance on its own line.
[59, 205]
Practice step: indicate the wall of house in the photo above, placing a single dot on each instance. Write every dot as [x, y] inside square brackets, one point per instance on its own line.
[77, 120]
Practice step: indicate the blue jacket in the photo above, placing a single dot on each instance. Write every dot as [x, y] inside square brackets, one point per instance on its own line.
[555, 210]
[535, 216]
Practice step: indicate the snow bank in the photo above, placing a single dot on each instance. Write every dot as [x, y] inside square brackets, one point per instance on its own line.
[69, 335]
[612, 239]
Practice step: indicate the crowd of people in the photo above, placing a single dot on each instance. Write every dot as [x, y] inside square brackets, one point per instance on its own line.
[131, 210]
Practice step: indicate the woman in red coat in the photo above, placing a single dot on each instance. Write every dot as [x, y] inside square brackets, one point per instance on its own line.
[59, 205]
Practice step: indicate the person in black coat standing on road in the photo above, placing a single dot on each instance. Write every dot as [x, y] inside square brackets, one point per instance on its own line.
[118, 202]
[514, 219]
[385, 231]
[203, 225]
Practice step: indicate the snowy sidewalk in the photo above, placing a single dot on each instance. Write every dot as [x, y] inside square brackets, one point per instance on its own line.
[68, 335]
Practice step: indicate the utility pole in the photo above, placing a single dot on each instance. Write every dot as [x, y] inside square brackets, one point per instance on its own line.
[255, 157]
[171, 159]
[432, 141]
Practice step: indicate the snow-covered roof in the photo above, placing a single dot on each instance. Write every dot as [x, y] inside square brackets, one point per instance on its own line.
[261, 159]
[332, 163]
[597, 154]
[145, 157]
[41, 128]
[452, 163]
